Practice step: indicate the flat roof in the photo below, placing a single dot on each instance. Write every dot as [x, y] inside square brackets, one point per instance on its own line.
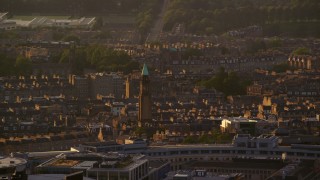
[190, 146]
[48, 153]
[156, 163]
[240, 165]
[50, 177]
[11, 162]
[181, 175]
[63, 163]
[85, 165]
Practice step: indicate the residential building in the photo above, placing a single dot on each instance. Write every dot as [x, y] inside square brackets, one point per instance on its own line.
[81, 86]
[238, 125]
[106, 84]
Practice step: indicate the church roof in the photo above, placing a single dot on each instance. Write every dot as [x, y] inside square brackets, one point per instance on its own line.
[145, 71]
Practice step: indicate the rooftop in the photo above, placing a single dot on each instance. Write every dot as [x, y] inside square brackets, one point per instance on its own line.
[245, 164]
[64, 163]
[50, 177]
[6, 162]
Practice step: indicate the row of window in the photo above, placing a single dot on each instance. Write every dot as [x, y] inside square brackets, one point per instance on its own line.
[187, 152]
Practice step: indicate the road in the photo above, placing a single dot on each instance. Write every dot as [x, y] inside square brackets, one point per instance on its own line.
[158, 25]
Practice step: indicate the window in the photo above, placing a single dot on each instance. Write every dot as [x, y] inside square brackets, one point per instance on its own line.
[263, 145]
[263, 152]
[204, 151]
[173, 152]
[184, 152]
[290, 153]
[225, 151]
[215, 151]
[194, 152]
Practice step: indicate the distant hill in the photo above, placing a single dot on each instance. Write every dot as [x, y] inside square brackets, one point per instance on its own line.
[297, 18]
[143, 12]
[71, 7]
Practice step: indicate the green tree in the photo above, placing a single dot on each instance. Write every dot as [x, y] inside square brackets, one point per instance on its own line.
[302, 51]
[274, 42]
[190, 140]
[71, 38]
[7, 66]
[191, 52]
[279, 68]
[100, 58]
[228, 83]
[98, 24]
[23, 66]
[65, 56]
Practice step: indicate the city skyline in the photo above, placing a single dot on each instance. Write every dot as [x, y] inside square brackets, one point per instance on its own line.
[159, 89]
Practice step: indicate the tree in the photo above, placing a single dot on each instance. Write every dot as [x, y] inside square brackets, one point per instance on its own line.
[254, 46]
[7, 66]
[23, 65]
[190, 140]
[191, 52]
[100, 58]
[274, 42]
[65, 56]
[71, 38]
[228, 83]
[279, 68]
[302, 51]
[98, 24]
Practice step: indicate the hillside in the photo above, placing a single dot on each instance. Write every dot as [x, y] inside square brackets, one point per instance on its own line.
[297, 18]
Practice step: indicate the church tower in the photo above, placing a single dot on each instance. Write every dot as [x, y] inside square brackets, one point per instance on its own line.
[144, 98]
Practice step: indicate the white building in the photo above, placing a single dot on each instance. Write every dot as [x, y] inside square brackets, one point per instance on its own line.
[238, 125]
[5, 24]
[42, 21]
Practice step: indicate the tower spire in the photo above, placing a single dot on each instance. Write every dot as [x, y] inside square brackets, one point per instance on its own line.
[145, 71]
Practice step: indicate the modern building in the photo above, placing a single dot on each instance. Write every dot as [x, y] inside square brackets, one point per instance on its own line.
[145, 110]
[255, 169]
[244, 146]
[5, 24]
[110, 146]
[13, 168]
[201, 174]
[112, 166]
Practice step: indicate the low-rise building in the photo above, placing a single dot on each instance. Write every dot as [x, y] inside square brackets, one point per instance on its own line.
[107, 84]
[238, 125]
[5, 24]
[106, 166]
[13, 168]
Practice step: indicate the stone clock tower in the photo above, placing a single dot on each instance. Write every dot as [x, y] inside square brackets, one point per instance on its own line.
[144, 98]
